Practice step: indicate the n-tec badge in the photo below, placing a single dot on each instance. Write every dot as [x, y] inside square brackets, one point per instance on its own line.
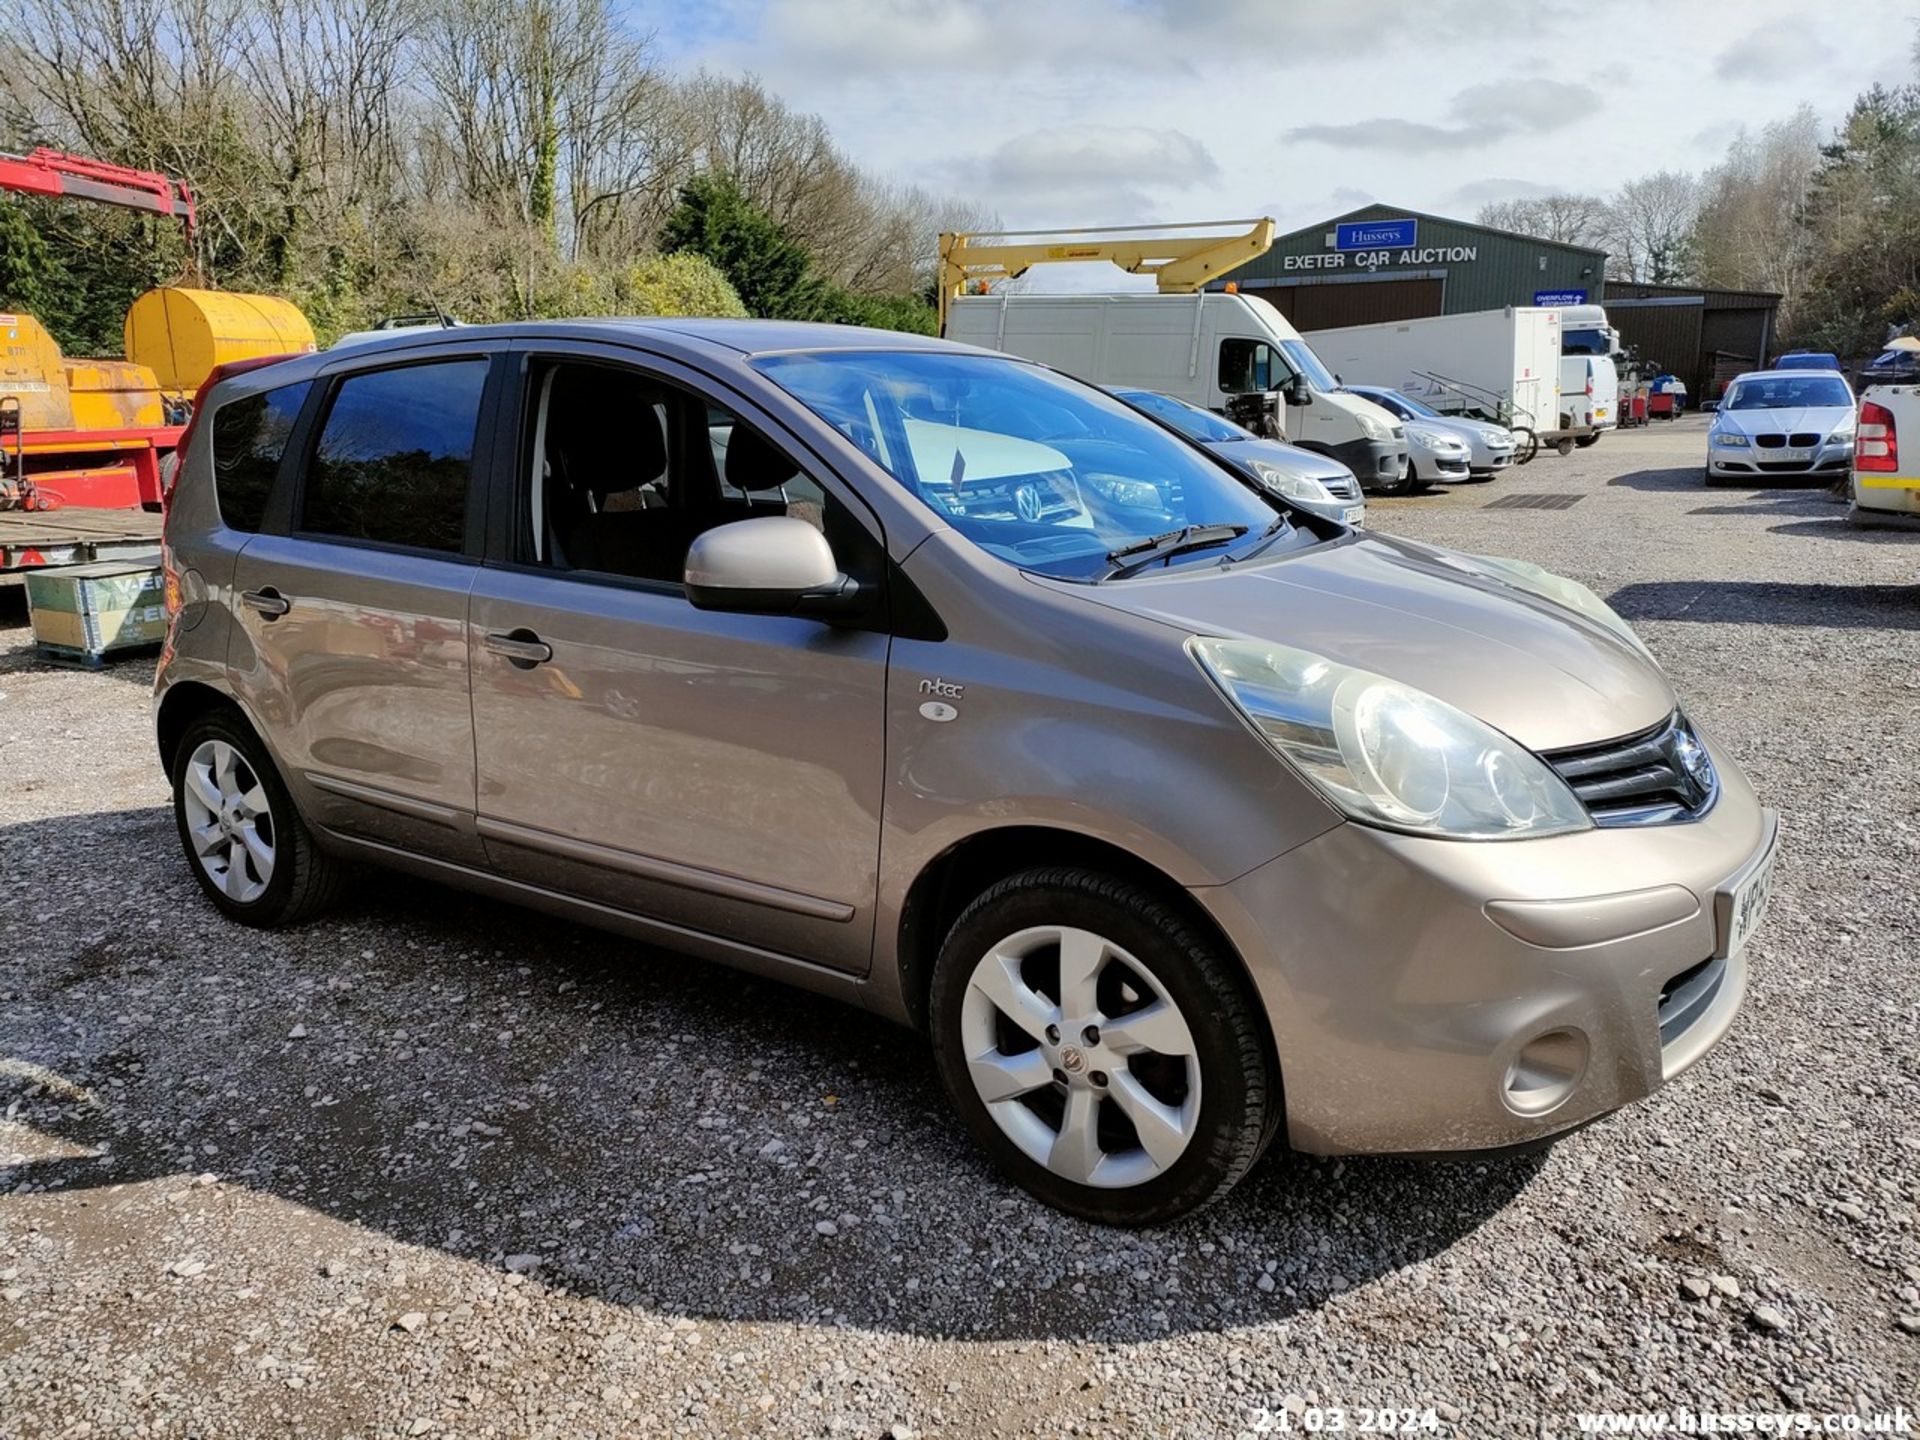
[935, 710]
[1071, 1059]
[945, 689]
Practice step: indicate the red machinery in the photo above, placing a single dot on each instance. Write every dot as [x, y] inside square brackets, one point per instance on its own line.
[50, 172]
[82, 432]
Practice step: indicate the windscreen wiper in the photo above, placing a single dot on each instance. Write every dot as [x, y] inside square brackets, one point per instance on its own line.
[1129, 558]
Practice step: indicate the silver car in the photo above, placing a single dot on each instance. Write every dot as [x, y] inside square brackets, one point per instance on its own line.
[1781, 422]
[1489, 446]
[1318, 484]
[931, 679]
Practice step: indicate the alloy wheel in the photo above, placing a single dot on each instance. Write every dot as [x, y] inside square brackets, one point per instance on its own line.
[1081, 1056]
[229, 820]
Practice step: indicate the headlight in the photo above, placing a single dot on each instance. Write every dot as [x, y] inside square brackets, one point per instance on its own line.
[1570, 593]
[1303, 488]
[1728, 440]
[1386, 753]
[1135, 494]
[1373, 428]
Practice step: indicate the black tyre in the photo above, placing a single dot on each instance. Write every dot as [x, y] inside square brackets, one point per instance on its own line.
[1526, 445]
[244, 841]
[1587, 441]
[1403, 486]
[1563, 446]
[1100, 1047]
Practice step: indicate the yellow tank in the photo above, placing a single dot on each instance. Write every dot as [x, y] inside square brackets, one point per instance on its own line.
[33, 372]
[183, 334]
[113, 395]
[60, 394]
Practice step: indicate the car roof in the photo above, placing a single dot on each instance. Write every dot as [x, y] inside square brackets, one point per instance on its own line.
[744, 337]
[1792, 372]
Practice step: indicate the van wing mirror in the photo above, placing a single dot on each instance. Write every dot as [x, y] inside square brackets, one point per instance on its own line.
[771, 565]
[1297, 391]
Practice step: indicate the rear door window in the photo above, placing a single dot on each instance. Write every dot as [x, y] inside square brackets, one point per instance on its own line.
[394, 460]
[249, 437]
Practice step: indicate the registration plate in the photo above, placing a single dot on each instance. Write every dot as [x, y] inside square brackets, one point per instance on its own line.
[1795, 454]
[1743, 905]
[1354, 514]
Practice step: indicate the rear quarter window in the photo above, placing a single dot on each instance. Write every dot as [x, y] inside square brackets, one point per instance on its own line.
[249, 438]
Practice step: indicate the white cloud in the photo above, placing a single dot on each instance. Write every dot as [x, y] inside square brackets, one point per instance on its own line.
[1127, 111]
[1480, 114]
[1772, 53]
[1468, 198]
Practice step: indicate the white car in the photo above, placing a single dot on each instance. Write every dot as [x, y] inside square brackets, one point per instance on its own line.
[1781, 422]
[1489, 446]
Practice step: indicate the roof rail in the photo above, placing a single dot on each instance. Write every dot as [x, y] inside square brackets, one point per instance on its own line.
[1179, 260]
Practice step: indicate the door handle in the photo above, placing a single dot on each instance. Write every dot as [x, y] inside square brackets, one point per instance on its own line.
[268, 601]
[521, 648]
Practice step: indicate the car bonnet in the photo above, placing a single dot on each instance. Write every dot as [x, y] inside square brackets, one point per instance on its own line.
[1527, 666]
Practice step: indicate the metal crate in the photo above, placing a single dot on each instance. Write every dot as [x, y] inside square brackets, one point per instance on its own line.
[83, 613]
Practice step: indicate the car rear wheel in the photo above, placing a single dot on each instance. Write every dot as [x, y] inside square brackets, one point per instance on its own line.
[245, 842]
[1588, 440]
[1100, 1047]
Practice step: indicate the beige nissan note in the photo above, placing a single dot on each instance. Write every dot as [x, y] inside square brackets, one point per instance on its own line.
[935, 680]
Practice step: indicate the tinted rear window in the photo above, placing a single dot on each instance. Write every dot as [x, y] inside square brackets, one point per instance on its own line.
[395, 456]
[249, 437]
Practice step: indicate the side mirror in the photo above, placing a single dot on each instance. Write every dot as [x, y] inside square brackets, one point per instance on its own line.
[1296, 390]
[773, 565]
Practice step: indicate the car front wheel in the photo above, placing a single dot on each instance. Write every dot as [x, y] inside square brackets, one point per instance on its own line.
[1100, 1047]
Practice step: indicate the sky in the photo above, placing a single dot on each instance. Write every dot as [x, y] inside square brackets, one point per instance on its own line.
[1056, 113]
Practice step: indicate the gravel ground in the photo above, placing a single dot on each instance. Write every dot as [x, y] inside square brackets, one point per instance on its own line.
[434, 1166]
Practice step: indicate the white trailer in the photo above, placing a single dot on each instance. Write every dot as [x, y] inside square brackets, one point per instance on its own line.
[1500, 365]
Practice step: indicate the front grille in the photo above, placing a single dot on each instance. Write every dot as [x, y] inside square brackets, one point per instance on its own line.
[1770, 442]
[1801, 440]
[1657, 776]
[1343, 487]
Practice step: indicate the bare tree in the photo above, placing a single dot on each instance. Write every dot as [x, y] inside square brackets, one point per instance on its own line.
[1650, 228]
[1751, 231]
[1568, 218]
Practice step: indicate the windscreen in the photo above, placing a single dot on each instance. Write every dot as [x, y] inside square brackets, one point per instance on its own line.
[1788, 392]
[1405, 406]
[1300, 355]
[1190, 420]
[1037, 469]
[1584, 342]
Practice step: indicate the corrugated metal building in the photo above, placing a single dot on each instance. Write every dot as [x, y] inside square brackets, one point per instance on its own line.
[1706, 337]
[1379, 263]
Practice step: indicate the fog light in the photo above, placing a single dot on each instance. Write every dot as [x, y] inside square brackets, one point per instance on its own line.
[1546, 1071]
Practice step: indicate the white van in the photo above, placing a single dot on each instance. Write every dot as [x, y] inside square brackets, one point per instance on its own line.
[1205, 348]
[1589, 380]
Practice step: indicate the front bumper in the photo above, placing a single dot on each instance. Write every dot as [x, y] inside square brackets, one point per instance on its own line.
[1374, 462]
[1491, 462]
[1827, 460]
[1413, 985]
[1444, 469]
